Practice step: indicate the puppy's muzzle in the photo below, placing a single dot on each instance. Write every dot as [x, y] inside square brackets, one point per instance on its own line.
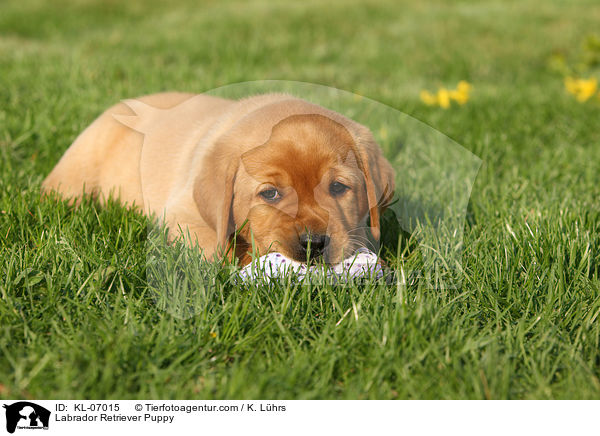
[313, 244]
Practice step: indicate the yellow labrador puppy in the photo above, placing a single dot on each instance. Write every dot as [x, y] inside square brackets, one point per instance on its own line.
[293, 176]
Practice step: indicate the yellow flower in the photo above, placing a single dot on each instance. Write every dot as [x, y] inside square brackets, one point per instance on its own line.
[587, 89]
[461, 93]
[459, 97]
[571, 85]
[444, 96]
[582, 89]
[428, 98]
[213, 335]
[464, 87]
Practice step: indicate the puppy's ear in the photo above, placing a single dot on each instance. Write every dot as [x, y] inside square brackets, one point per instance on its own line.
[379, 177]
[213, 193]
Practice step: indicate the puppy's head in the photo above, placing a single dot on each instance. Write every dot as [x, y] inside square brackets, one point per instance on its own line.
[306, 192]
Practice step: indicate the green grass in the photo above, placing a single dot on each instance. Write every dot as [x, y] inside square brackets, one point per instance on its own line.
[78, 320]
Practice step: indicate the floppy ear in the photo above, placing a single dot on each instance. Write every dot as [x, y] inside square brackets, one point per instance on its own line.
[213, 192]
[379, 177]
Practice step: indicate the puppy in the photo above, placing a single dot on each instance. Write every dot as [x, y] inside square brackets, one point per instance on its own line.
[265, 173]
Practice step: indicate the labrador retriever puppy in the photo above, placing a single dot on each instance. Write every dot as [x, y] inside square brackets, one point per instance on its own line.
[265, 173]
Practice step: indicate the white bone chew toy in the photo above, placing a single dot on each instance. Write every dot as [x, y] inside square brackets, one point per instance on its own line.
[363, 264]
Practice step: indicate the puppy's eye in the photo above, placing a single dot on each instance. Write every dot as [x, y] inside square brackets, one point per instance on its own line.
[271, 195]
[337, 188]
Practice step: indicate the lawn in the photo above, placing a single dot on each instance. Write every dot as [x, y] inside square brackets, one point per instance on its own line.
[78, 318]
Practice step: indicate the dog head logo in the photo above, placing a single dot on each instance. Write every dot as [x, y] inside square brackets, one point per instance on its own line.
[26, 415]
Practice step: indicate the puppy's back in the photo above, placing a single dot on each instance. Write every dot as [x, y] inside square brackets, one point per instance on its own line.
[105, 158]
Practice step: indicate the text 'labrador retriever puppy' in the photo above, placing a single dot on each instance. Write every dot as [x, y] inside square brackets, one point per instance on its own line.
[290, 176]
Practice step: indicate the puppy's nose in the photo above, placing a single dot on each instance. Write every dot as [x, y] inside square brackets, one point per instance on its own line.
[317, 243]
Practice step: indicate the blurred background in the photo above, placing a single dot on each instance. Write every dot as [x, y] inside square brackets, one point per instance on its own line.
[64, 61]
